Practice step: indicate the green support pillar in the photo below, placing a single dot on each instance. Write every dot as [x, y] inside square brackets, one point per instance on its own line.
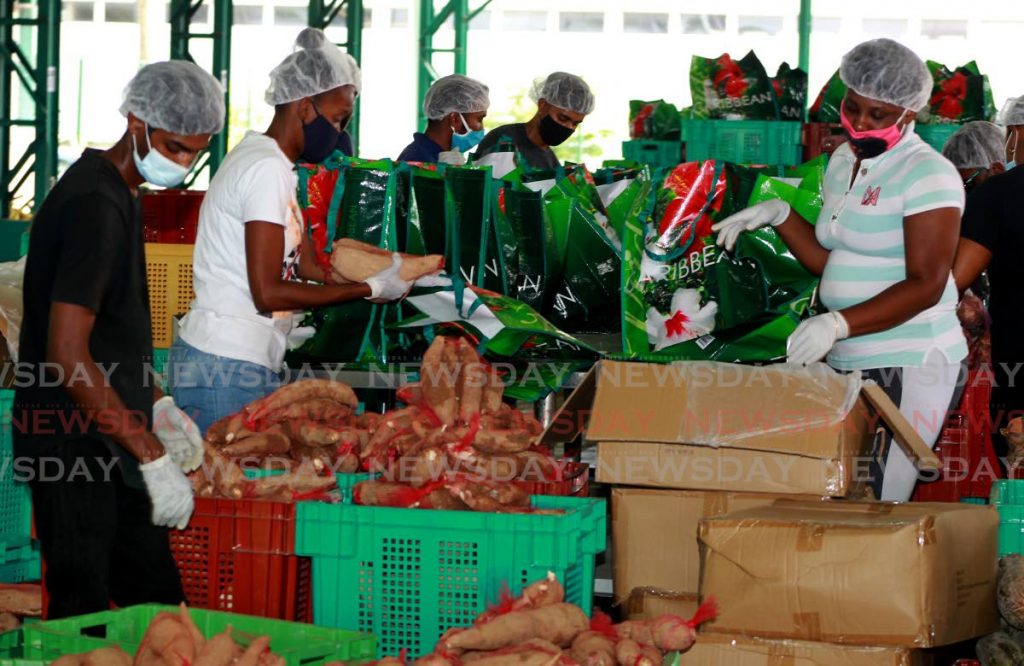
[805, 24]
[321, 14]
[29, 64]
[431, 17]
[182, 12]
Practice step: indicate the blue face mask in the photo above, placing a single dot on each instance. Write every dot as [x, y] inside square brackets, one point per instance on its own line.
[467, 140]
[156, 168]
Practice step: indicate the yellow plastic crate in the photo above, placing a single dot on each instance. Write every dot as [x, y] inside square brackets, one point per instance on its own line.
[169, 273]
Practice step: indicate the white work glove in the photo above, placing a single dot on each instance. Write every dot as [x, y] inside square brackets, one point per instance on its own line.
[767, 213]
[814, 338]
[178, 433]
[387, 285]
[298, 335]
[452, 157]
[169, 491]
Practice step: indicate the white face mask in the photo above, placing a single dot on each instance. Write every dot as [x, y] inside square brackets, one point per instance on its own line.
[157, 168]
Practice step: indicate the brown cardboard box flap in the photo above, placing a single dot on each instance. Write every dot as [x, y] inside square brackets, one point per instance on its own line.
[719, 650]
[917, 575]
[648, 603]
[654, 535]
[768, 408]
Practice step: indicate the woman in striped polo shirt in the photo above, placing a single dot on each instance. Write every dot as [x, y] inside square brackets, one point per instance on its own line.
[883, 245]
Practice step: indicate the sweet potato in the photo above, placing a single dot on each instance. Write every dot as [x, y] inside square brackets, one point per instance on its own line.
[420, 469]
[493, 392]
[472, 378]
[395, 422]
[545, 592]
[439, 377]
[270, 443]
[218, 651]
[306, 389]
[367, 421]
[390, 661]
[593, 648]
[108, 656]
[356, 261]
[227, 478]
[436, 659]
[8, 622]
[69, 660]
[489, 496]
[636, 630]
[386, 493]
[166, 642]
[411, 394]
[443, 500]
[668, 633]
[484, 466]
[558, 623]
[25, 600]
[530, 653]
[321, 410]
[502, 441]
[536, 466]
[630, 653]
[347, 463]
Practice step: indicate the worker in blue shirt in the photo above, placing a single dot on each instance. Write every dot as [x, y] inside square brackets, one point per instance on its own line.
[455, 107]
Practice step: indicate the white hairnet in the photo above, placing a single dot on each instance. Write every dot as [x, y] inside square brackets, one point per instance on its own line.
[887, 71]
[315, 67]
[177, 96]
[976, 145]
[564, 90]
[455, 94]
[1013, 112]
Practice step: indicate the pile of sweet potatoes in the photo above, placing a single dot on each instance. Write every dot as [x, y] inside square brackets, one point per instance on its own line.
[307, 429]
[173, 639]
[456, 445]
[18, 602]
[539, 629]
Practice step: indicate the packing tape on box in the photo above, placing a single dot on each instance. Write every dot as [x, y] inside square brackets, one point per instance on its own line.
[808, 625]
[810, 538]
[715, 504]
[781, 654]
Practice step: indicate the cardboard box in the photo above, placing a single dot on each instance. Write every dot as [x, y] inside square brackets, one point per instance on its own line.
[720, 426]
[916, 575]
[654, 533]
[647, 603]
[716, 650]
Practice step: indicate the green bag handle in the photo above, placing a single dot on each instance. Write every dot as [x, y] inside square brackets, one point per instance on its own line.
[335, 206]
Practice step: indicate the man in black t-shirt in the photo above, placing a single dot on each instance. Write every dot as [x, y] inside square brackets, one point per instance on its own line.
[103, 450]
[992, 237]
[563, 101]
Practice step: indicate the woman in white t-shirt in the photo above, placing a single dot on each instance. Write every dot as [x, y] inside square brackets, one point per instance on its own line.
[883, 245]
[253, 264]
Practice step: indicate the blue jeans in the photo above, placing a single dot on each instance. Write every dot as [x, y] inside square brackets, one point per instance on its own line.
[209, 387]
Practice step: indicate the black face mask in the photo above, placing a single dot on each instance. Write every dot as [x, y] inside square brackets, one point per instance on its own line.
[319, 138]
[867, 148]
[552, 133]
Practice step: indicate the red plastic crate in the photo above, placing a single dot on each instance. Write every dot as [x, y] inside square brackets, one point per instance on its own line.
[965, 447]
[819, 138]
[171, 216]
[239, 556]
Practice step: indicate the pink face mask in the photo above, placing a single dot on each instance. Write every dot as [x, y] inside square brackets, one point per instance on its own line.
[871, 143]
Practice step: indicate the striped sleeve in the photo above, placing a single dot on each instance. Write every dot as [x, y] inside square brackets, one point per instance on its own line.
[931, 184]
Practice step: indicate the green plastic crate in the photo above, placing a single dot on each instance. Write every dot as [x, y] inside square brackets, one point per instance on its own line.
[298, 644]
[11, 644]
[771, 142]
[654, 153]
[11, 243]
[936, 136]
[160, 366]
[409, 575]
[19, 564]
[974, 500]
[15, 498]
[346, 482]
[23, 249]
[1007, 496]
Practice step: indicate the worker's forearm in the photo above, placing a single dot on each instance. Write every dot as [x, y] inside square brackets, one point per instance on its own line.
[286, 295]
[91, 392]
[894, 306]
[310, 270]
[798, 234]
